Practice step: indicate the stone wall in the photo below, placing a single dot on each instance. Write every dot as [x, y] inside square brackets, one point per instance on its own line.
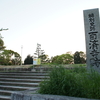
[31, 96]
[15, 69]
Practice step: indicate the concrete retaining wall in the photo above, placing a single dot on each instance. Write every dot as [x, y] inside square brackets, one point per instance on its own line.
[30, 96]
[15, 69]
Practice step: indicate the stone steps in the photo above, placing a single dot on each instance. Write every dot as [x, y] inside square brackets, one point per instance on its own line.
[14, 88]
[11, 82]
[5, 97]
[23, 77]
[26, 74]
[6, 92]
[22, 80]
[19, 84]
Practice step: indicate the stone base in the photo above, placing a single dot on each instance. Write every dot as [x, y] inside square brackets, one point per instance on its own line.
[29, 95]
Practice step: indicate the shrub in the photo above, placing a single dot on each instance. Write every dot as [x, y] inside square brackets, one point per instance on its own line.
[91, 84]
[76, 82]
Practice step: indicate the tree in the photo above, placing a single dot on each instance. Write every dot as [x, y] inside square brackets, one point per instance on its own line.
[2, 47]
[41, 54]
[79, 57]
[2, 61]
[28, 60]
[17, 59]
[63, 59]
[38, 51]
[44, 58]
[83, 57]
[54, 59]
[67, 58]
[10, 57]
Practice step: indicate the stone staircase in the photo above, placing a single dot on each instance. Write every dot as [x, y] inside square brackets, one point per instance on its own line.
[11, 82]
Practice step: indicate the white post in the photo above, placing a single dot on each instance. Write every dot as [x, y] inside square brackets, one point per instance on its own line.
[21, 54]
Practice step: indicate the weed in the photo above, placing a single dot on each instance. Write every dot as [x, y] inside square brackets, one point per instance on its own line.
[76, 82]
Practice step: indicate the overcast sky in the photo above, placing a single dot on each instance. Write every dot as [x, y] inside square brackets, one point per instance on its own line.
[55, 24]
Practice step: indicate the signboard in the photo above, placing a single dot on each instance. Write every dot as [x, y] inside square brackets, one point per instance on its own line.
[36, 61]
[92, 36]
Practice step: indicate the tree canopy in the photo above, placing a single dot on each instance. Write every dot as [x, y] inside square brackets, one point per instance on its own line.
[79, 57]
[2, 47]
[28, 60]
[41, 54]
[9, 57]
[63, 59]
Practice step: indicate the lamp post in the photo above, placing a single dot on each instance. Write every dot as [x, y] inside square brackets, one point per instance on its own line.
[21, 54]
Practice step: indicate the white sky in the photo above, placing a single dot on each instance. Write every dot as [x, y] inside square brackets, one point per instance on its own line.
[55, 24]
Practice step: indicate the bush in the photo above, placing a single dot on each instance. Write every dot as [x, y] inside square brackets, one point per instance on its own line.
[91, 84]
[76, 82]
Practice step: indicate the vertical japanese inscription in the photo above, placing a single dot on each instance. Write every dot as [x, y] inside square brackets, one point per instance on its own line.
[93, 43]
[92, 35]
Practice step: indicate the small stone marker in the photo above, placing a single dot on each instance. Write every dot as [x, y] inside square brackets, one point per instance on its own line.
[92, 36]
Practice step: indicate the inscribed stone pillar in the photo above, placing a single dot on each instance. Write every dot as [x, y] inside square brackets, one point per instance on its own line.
[92, 36]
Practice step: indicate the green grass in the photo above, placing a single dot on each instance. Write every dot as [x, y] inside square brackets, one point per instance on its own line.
[77, 65]
[76, 82]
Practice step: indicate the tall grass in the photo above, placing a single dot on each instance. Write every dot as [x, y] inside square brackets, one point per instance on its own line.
[75, 82]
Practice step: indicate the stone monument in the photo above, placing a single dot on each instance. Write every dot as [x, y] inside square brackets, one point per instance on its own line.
[92, 36]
